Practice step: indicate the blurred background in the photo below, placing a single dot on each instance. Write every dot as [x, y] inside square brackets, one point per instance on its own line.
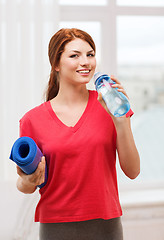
[129, 35]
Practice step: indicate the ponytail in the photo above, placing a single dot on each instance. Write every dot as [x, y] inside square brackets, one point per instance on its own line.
[53, 86]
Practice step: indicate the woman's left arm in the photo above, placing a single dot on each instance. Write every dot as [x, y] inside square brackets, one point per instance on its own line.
[127, 152]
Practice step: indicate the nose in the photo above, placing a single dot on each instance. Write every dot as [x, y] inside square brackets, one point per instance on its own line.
[84, 61]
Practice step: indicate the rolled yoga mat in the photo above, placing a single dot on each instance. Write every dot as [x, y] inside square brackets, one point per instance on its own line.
[26, 154]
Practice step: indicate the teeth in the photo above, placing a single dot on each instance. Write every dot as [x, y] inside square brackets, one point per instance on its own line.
[84, 71]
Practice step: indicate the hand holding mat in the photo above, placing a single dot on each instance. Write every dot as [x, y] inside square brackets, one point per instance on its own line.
[26, 154]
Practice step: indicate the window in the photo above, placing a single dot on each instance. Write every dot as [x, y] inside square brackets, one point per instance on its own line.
[140, 59]
[140, 45]
[83, 2]
[148, 3]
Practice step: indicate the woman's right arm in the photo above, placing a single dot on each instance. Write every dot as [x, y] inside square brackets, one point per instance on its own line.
[28, 183]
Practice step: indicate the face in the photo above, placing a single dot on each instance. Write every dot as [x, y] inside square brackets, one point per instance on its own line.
[77, 63]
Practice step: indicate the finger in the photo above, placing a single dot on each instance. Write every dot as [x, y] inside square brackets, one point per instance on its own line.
[19, 171]
[120, 89]
[41, 165]
[41, 168]
[123, 91]
[102, 102]
[99, 98]
[113, 78]
[43, 161]
[35, 178]
[40, 179]
[116, 85]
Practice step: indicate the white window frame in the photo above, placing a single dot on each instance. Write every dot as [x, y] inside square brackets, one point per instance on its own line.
[107, 16]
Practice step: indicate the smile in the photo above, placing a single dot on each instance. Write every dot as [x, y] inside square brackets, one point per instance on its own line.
[84, 71]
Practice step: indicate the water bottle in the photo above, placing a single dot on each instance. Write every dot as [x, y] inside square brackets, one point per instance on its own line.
[116, 102]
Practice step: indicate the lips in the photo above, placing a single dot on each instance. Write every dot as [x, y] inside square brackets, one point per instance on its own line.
[84, 71]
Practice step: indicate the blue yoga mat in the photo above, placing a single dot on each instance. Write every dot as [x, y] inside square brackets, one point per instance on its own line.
[26, 154]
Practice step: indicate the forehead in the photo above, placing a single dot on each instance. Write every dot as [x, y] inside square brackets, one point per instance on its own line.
[77, 44]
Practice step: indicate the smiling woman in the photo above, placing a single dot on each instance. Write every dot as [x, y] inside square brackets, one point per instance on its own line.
[80, 151]
[73, 50]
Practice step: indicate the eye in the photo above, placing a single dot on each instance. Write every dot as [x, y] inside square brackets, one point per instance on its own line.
[90, 55]
[74, 56]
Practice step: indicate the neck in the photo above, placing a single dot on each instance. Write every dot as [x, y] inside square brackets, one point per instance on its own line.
[71, 94]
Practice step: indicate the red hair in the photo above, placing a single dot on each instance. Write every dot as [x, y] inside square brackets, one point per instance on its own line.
[56, 48]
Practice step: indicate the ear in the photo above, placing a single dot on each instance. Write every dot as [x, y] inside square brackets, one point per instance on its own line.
[57, 69]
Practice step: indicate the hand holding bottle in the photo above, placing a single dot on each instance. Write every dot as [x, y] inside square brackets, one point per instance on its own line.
[113, 94]
[117, 85]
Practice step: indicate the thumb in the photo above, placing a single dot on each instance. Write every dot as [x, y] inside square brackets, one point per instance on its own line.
[99, 98]
[19, 171]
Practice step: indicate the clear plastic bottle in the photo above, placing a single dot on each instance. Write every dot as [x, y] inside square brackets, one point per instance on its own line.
[116, 102]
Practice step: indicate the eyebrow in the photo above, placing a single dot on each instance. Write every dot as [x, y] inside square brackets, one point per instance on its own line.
[76, 51]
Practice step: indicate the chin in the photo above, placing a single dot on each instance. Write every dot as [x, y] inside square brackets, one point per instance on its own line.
[85, 82]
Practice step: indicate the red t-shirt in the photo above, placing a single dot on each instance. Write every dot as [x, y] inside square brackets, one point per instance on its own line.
[81, 160]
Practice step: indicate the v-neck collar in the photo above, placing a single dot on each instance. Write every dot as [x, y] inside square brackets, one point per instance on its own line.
[81, 119]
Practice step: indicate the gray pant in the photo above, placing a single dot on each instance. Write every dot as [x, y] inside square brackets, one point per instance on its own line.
[97, 229]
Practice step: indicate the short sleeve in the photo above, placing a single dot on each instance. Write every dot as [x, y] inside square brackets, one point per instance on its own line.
[25, 127]
[129, 113]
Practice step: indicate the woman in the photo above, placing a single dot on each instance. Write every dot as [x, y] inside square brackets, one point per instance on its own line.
[79, 138]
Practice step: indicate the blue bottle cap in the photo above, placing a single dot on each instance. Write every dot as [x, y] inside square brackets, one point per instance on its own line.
[98, 74]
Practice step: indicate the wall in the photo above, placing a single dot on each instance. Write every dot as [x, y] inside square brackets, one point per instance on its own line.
[26, 28]
[143, 214]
